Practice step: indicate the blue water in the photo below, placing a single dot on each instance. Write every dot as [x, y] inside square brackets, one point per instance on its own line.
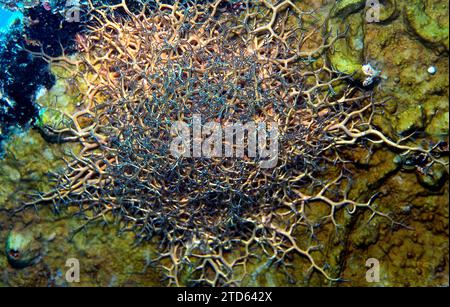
[7, 17]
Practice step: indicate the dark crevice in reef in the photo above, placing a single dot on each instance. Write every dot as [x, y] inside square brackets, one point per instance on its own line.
[21, 74]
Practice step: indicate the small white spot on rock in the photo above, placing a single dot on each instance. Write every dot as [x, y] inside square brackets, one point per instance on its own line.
[431, 70]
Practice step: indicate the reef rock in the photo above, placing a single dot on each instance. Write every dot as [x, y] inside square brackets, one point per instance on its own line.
[22, 249]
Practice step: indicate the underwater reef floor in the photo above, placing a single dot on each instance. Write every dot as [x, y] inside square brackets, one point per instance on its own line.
[416, 255]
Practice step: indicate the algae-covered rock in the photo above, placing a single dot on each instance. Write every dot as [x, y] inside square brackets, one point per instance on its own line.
[388, 11]
[54, 126]
[30, 154]
[347, 54]
[53, 118]
[22, 249]
[26, 164]
[55, 106]
[345, 7]
[12, 174]
[432, 178]
[366, 236]
[438, 127]
[426, 25]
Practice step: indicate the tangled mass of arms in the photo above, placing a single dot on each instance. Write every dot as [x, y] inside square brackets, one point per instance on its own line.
[140, 71]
